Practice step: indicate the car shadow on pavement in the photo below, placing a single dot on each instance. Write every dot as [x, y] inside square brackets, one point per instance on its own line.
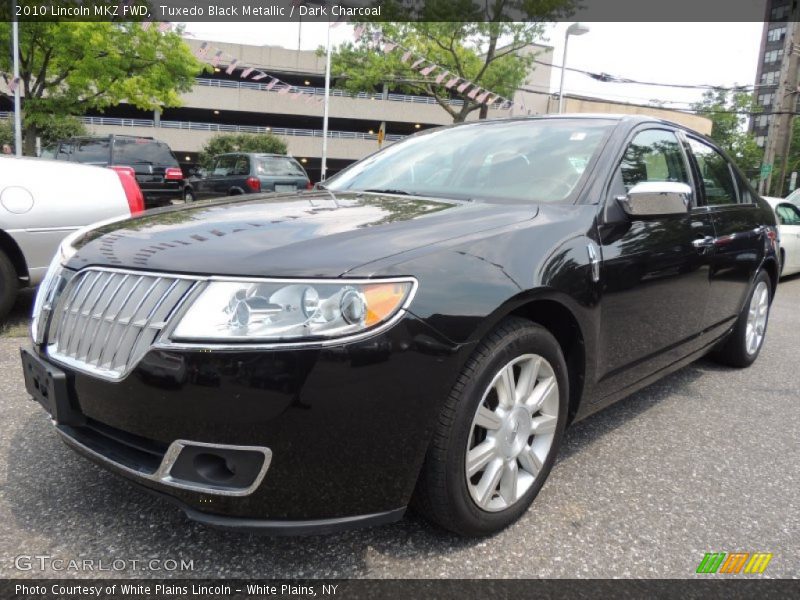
[18, 319]
[588, 430]
[74, 509]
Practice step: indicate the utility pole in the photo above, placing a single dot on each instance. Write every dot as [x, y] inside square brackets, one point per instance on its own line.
[784, 107]
[17, 89]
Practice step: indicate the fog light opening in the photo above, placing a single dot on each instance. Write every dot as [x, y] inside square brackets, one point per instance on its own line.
[214, 468]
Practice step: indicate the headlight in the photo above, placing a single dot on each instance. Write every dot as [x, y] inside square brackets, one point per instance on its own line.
[44, 296]
[291, 312]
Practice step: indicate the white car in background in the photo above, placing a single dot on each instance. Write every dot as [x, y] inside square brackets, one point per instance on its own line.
[42, 202]
[789, 230]
[794, 198]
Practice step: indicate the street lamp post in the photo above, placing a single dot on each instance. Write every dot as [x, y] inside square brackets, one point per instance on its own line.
[324, 165]
[574, 29]
[17, 103]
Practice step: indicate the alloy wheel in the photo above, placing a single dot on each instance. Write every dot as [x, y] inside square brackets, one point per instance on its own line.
[757, 318]
[512, 432]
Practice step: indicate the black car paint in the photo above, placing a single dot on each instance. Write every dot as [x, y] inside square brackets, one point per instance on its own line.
[350, 423]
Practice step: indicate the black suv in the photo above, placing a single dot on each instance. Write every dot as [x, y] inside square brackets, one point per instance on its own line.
[247, 173]
[156, 168]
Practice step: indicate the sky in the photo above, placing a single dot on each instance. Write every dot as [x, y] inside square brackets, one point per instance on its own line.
[721, 54]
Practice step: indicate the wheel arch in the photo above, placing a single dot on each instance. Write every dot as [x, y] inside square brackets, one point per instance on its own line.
[771, 267]
[563, 324]
[14, 254]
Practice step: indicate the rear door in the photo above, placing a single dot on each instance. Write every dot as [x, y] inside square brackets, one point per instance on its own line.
[737, 247]
[655, 282]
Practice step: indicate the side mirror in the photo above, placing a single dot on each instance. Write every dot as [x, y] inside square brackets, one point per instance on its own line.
[656, 198]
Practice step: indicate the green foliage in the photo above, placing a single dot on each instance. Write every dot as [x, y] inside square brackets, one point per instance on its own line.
[492, 53]
[729, 112]
[7, 133]
[67, 68]
[55, 128]
[267, 143]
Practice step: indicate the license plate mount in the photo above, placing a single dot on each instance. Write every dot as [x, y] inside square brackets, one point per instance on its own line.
[48, 386]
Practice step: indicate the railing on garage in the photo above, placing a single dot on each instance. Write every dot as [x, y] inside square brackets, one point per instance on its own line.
[221, 127]
[318, 91]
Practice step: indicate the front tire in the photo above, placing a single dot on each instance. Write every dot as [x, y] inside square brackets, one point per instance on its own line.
[498, 433]
[188, 196]
[744, 343]
[9, 285]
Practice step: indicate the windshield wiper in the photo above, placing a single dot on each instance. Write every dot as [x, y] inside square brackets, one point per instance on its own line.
[389, 191]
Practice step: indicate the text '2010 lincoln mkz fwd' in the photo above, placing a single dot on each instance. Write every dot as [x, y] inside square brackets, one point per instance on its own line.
[419, 330]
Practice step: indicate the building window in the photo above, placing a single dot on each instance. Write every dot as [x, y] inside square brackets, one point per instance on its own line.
[765, 100]
[760, 141]
[763, 120]
[773, 56]
[770, 77]
[779, 13]
[777, 34]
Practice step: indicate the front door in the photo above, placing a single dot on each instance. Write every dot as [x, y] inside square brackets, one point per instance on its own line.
[654, 279]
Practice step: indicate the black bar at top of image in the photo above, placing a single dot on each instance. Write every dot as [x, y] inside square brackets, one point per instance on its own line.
[399, 589]
[177, 11]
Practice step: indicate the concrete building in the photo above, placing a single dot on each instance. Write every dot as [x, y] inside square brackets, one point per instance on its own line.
[582, 104]
[226, 103]
[770, 62]
[221, 103]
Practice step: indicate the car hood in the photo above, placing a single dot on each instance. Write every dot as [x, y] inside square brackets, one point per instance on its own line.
[316, 234]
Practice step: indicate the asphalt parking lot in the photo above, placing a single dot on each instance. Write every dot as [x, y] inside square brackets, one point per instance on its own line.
[704, 460]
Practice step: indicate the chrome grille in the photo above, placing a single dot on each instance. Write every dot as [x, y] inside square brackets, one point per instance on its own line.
[105, 321]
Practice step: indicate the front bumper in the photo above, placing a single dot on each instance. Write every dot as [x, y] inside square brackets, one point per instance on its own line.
[347, 426]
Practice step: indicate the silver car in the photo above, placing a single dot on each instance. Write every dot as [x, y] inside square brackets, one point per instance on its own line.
[42, 202]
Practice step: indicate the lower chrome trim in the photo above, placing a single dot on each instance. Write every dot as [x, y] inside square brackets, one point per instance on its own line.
[162, 475]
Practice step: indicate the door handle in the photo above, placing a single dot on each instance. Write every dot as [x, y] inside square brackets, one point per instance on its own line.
[703, 242]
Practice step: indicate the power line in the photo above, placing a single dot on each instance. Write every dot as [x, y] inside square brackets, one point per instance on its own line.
[607, 78]
[687, 110]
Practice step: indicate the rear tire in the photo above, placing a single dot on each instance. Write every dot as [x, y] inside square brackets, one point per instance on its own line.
[491, 450]
[744, 343]
[9, 285]
[188, 196]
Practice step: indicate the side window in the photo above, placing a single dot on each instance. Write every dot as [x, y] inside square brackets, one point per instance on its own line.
[95, 152]
[715, 174]
[64, 151]
[224, 165]
[788, 214]
[242, 166]
[653, 155]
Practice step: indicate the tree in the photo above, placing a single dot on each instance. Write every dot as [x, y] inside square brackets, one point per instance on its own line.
[492, 52]
[57, 128]
[69, 68]
[729, 112]
[266, 143]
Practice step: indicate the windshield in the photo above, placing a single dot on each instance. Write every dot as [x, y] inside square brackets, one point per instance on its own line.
[522, 161]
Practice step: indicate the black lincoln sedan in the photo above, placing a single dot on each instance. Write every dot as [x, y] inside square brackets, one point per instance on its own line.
[418, 331]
